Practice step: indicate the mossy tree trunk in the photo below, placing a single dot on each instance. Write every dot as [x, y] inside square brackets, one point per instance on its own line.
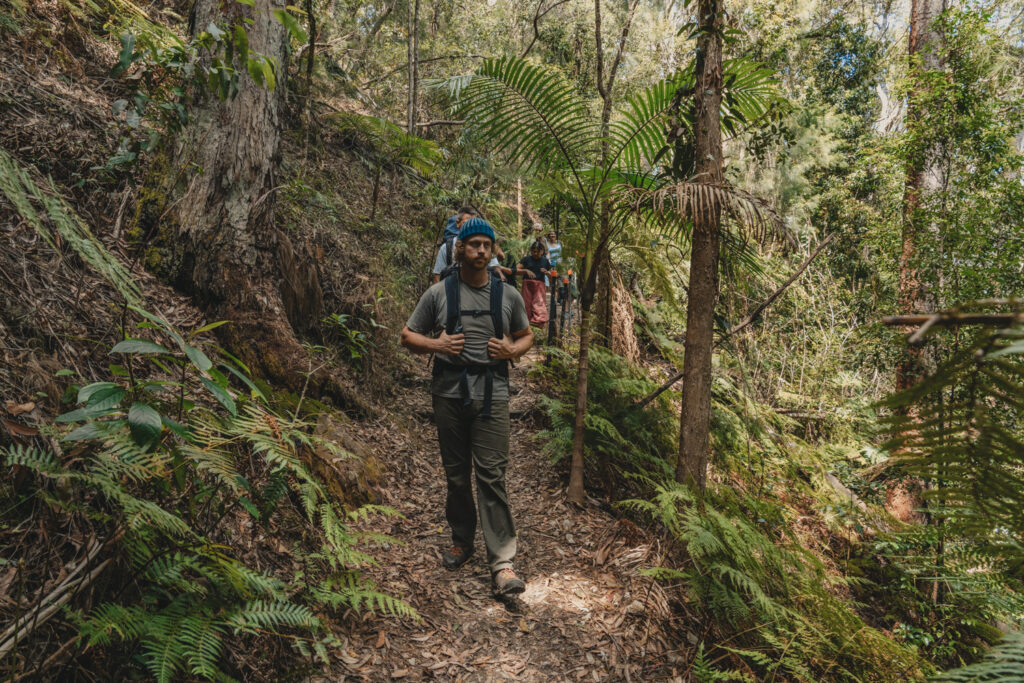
[209, 211]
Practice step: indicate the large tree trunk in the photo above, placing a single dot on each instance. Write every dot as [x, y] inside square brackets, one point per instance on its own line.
[695, 419]
[208, 207]
[919, 274]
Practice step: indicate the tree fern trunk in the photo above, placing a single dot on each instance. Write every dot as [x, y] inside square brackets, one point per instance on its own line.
[695, 418]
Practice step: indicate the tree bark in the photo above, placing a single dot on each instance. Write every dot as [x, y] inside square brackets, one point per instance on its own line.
[575, 492]
[918, 276]
[695, 418]
[414, 67]
[208, 209]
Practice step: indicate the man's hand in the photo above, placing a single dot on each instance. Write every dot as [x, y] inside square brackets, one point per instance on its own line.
[504, 348]
[450, 344]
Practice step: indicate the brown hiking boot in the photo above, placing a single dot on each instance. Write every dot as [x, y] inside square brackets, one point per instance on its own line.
[456, 556]
[507, 583]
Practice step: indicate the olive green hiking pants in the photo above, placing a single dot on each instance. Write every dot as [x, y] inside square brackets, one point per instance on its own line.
[471, 444]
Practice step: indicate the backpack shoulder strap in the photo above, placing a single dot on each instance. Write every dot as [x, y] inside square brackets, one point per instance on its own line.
[452, 302]
[497, 315]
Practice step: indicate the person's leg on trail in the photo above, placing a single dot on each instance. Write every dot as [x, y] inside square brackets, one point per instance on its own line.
[490, 447]
[453, 436]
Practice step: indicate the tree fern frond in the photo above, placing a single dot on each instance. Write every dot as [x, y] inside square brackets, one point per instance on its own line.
[528, 112]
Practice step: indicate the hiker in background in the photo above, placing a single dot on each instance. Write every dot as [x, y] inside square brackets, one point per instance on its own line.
[535, 268]
[494, 267]
[445, 260]
[508, 267]
[554, 248]
[554, 251]
[538, 236]
[474, 325]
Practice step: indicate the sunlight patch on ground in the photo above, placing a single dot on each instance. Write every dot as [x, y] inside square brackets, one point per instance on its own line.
[570, 593]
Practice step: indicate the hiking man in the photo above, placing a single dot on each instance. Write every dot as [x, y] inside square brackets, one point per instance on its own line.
[535, 268]
[446, 252]
[474, 325]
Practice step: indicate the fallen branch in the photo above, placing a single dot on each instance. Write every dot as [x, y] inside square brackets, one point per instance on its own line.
[746, 322]
[952, 319]
[54, 601]
[428, 124]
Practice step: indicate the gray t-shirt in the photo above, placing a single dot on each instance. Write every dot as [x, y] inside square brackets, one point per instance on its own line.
[431, 314]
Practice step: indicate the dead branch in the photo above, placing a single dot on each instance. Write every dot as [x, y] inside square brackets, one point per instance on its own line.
[537, 16]
[50, 604]
[951, 319]
[756, 313]
[746, 322]
[428, 124]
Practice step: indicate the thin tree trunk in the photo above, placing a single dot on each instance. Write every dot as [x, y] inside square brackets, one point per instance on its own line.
[695, 418]
[588, 273]
[575, 492]
[918, 280]
[414, 48]
[519, 207]
[213, 233]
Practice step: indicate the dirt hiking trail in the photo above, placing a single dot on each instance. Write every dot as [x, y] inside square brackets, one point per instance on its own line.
[588, 614]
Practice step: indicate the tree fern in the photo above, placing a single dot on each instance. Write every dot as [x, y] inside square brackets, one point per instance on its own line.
[960, 427]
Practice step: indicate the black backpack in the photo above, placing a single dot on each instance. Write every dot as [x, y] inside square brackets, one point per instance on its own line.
[453, 325]
[450, 265]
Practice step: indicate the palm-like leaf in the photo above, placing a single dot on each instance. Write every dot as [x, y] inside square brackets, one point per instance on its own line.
[638, 137]
[528, 112]
[694, 200]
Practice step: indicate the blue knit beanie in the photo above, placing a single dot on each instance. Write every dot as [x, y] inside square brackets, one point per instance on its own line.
[476, 226]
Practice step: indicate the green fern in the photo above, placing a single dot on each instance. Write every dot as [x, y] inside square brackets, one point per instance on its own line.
[23, 193]
[189, 593]
[1002, 664]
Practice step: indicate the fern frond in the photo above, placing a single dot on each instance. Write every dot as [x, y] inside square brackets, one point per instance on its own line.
[22, 191]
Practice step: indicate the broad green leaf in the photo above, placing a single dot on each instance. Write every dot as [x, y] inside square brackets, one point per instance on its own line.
[137, 346]
[198, 358]
[144, 423]
[105, 398]
[292, 24]
[85, 392]
[86, 432]
[82, 414]
[176, 427]
[254, 391]
[222, 396]
[127, 51]
[268, 73]
[242, 46]
[64, 373]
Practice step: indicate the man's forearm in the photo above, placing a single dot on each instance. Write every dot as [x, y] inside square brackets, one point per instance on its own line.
[522, 344]
[418, 343]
